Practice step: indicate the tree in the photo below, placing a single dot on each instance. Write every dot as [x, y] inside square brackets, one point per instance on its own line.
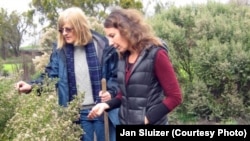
[48, 10]
[152, 7]
[3, 25]
[13, 27]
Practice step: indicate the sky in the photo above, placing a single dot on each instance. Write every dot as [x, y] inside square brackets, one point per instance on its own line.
[18, 5]
[22, 5]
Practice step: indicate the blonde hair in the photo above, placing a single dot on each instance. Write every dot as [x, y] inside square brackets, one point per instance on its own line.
[81, 28]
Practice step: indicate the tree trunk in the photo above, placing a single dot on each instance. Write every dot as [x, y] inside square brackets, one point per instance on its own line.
[3, 51]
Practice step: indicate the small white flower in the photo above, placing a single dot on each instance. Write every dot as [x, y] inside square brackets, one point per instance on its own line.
[34, 115]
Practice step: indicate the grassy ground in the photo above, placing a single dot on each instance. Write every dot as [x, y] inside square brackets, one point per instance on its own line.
[10, 68]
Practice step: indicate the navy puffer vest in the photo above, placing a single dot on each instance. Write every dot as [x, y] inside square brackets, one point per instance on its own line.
[143, 91]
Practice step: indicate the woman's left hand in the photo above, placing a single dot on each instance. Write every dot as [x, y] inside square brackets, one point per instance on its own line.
[104, 96]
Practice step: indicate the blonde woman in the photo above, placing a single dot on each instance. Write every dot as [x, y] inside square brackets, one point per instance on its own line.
[80, 59]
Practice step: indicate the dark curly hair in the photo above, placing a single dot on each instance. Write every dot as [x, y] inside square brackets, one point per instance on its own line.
[133, 27]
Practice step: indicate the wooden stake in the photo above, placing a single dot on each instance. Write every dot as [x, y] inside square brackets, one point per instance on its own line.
[106, 119]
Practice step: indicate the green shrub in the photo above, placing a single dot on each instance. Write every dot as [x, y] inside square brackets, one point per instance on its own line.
[10, 68]
[41, 117]
[1, 65]
[5, 73]
[8, 102]
[210, 53]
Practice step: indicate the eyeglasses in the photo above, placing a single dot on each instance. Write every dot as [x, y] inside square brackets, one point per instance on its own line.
[66, 29]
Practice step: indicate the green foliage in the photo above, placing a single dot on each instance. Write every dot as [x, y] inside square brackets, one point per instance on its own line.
[29, 47]
[1, 65]
[210, 51]
[130, 4]
[8, 101]
[9, 67]
[225, 71]
[5, 73]
[14, 26]
[49, 9]
[41, 118]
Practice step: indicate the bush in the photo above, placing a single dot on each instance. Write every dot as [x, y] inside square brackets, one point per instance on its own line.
[5, 73]
[41, 118]
[8, 102]
[210, 54]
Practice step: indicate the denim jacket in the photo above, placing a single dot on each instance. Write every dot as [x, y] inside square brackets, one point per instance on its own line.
[56, 68]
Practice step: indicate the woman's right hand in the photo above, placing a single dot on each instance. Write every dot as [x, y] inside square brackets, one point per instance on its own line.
[23, 87]
[97, 110]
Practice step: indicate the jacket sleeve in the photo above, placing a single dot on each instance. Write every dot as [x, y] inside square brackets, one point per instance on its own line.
[109, 62]
[109, 69]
